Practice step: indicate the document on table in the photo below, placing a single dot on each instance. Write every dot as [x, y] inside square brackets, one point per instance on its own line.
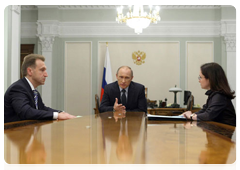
[160, 117]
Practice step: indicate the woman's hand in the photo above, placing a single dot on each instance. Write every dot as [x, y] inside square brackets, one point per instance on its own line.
[187, 114]
[190, 115]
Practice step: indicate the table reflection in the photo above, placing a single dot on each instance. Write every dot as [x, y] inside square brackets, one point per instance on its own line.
[31, 150]
[124, 147]
[119, 136]
[214, 145]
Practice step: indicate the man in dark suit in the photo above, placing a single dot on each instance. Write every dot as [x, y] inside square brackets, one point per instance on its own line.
[124, 94]
[22, 101]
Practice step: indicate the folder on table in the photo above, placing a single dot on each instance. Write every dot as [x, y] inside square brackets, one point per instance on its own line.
[160, 117]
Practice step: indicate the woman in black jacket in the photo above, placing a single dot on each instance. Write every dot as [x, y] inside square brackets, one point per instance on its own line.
[219, 107]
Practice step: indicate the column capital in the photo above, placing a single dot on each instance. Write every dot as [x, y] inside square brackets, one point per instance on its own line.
[228, 31]
[230, 41]
[46, 42]
[47, 30]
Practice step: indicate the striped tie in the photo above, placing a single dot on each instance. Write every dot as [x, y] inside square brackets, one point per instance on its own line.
[36, 98]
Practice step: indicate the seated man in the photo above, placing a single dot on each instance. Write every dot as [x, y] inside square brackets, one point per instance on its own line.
[124, 94]
[22, 101]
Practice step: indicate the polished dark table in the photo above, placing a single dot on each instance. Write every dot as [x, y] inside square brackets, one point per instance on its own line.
[117, 138]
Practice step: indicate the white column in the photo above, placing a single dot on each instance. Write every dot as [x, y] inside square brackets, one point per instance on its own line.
[228, 31]
[230, 42]
[47, 30]
[15, 42]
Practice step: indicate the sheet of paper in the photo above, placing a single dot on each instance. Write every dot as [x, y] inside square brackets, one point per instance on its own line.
[166, 117]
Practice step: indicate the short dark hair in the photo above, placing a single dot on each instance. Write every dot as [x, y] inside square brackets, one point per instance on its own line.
[30, 61]
[125, 67]
[217, 78]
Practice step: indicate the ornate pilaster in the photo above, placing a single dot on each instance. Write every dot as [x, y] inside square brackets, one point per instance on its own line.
[228, 31]
[47, 31]
[46, 42]
[230, 41]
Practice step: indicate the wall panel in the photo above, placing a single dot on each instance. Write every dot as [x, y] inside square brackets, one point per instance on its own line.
[78, 78]
[159, 72]
[197, 53]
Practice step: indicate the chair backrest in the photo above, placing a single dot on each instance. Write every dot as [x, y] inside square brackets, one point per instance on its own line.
[96, 104]
[146, 92]
[190, 103]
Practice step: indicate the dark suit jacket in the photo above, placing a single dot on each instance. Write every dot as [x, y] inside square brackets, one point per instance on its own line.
[219, 108]
[136, 100]
[19, 104]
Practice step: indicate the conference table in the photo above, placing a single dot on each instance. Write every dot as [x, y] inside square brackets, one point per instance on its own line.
[119, 138]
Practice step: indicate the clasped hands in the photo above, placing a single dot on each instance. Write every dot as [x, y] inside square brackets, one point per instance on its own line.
[119, 110]
[118, 107]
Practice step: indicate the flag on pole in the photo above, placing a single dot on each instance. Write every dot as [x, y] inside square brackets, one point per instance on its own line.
[107, 73]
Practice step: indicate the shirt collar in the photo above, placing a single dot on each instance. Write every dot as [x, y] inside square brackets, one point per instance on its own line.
[125, 89]
[32, 87]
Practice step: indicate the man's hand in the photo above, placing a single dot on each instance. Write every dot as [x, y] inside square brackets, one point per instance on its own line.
[118, 107]
[65, 116]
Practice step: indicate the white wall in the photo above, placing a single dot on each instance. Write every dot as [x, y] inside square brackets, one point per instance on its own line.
[78, 78]
[159, 72]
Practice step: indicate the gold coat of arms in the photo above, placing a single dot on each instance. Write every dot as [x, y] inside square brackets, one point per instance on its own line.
[138, 57]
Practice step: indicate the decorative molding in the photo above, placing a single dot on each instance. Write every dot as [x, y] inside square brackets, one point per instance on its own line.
[48, 27]
[230, 42]
[228, 27]
[113, 29]
[16, 9]
[87, 6]
[29, 7]
[47, 31]
[72, 7]
[228, 31]
[47, 43]
[191, 6]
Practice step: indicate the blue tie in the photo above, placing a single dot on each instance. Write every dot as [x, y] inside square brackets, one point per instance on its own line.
[36, 98]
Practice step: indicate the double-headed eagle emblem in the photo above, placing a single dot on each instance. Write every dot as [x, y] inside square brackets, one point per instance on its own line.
[138, 57]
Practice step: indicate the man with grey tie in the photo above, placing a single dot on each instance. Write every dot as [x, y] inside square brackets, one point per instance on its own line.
[22, 101]
[124, 94]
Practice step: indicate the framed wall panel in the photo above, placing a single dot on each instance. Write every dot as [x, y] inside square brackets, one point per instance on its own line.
[197, 53]
[77, 86]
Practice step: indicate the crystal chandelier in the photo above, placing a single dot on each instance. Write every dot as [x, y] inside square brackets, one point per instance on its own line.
[137, 18]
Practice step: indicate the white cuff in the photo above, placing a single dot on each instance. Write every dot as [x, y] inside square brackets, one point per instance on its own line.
[55, 115]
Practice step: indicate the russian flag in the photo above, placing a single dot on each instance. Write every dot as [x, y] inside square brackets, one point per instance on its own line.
[107, 73]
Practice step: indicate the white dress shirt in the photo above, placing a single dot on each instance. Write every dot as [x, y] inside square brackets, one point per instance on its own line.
[55, 114]
[126, 93]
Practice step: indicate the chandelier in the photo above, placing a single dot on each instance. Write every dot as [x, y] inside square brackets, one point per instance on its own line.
[137, 18]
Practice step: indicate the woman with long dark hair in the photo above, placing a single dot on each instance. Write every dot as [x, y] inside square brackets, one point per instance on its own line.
[219, 106]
